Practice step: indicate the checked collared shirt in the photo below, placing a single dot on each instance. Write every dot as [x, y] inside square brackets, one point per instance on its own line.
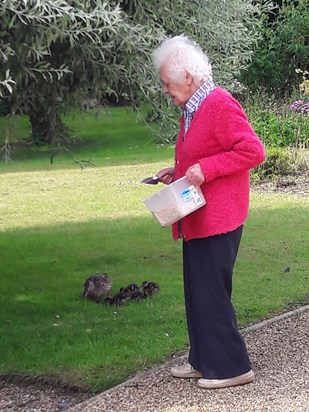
[195, 101]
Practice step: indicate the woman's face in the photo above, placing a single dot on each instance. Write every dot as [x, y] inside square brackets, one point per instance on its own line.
[179, 90]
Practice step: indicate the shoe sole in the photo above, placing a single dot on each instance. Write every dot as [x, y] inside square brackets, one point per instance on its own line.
[225, 383]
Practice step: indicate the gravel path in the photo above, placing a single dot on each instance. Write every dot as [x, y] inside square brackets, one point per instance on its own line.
[31, 398]
[279, 353]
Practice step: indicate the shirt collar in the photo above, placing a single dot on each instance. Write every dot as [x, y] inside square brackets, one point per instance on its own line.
[196, 99]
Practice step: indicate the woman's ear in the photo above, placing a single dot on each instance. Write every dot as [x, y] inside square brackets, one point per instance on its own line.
[188, 78]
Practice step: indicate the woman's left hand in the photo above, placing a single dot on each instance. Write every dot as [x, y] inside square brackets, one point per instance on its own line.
[195, 175]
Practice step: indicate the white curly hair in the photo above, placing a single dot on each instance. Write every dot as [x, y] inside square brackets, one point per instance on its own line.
[182, 54]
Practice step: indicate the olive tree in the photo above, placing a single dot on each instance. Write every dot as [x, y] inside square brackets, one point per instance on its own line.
[55, 53]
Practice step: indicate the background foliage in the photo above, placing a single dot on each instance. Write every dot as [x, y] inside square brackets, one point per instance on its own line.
[276, 121]
[57, 52]
[282, 54]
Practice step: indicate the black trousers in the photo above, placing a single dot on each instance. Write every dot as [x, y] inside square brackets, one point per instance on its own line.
[217, 348]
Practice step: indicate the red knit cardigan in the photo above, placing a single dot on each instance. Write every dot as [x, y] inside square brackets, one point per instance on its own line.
[222, 141]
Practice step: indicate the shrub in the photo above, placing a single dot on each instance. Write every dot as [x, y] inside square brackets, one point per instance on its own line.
[281, 162]
[278, 123]
[277, 163]
[300, 106]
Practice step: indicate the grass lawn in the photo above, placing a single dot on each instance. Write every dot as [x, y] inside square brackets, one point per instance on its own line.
[60, 224]
[114, 137]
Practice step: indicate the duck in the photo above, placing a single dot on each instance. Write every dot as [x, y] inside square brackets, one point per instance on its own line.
[130, 289]
[118, 300]
[132, 292]
[138, 295]
[97, 287]
[149, 288]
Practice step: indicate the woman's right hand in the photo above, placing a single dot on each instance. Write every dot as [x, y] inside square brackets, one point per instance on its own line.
[166, 175]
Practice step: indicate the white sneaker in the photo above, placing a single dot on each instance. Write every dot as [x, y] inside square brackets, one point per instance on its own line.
[224, 383]
[185, 371]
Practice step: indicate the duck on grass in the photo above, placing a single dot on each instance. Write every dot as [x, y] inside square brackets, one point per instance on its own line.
[97, 288]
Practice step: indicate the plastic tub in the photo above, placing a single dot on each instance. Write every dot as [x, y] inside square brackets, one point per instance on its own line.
[175, 201]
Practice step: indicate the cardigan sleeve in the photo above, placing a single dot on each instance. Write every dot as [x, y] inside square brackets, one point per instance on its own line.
[241, 148]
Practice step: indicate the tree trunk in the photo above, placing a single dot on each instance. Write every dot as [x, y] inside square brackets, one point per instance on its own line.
[47, 127]
[40, 125]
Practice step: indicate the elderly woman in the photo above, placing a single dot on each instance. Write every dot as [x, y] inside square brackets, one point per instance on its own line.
[215, 149]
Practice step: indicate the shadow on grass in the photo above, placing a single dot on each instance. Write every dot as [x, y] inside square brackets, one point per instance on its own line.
[48, 330]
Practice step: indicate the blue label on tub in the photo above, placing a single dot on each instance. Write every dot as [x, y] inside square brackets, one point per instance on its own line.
[186, 194]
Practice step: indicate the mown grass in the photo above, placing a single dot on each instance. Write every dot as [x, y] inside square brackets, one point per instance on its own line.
[59, 224]
[114, 136]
